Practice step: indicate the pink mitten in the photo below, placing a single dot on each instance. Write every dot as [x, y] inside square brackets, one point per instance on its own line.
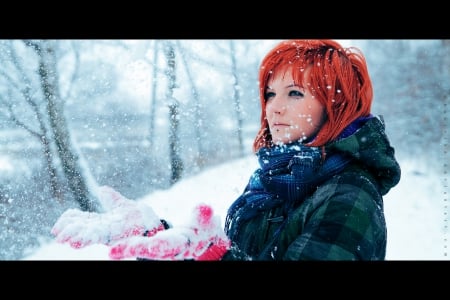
[191, 242]
[123, 218]
[215, 251]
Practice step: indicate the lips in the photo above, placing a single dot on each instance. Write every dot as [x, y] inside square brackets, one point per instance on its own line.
[280, 125]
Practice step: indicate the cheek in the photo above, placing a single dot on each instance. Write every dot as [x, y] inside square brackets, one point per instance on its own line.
[316, 111]
[268, 110]
[319, 112]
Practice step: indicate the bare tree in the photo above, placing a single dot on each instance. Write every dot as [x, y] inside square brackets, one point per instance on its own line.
[151, 135]
[234, 74]
[236, 98]
[416, 85]
[8, 104]
[199, 119]
[70, 159]
[174, 142]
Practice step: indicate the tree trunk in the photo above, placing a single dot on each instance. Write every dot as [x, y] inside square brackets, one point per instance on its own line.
[151, 134]
[70, 160]
[198, 116]
[236, 98]
[174, 141]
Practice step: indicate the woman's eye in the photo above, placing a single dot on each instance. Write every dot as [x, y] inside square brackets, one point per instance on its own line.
[267, 96]
[296, 94]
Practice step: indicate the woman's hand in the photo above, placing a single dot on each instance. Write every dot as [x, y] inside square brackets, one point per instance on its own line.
[123, 218]
[202, 239]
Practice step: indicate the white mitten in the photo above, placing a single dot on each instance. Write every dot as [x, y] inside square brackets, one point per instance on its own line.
[191, 242]
[123, 218]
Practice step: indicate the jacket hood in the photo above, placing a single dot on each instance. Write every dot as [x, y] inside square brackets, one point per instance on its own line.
[370, 146]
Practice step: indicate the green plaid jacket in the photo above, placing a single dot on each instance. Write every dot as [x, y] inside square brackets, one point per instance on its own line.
[344, 218]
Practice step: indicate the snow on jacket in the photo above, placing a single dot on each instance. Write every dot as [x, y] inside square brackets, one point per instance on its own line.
[342, 218]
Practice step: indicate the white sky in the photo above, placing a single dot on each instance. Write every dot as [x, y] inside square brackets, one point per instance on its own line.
[415, 211]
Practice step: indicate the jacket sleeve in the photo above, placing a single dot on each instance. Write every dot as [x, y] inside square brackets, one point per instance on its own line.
[344, 220]
[234, 254]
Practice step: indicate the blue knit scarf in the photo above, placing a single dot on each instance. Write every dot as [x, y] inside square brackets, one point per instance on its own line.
[287, 175]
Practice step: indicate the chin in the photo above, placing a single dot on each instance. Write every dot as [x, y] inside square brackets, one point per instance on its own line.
[281, 142]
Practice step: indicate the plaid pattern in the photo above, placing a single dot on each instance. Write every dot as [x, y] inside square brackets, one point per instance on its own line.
[371, 147]
[342, 220]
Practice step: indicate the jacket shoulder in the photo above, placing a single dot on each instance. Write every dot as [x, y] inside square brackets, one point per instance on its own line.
[342, 220]
[354, 183]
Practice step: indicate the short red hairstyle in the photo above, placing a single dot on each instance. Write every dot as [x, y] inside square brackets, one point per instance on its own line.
[338, 78]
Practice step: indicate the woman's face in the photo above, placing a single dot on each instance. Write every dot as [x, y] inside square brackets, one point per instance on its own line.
[292, 111]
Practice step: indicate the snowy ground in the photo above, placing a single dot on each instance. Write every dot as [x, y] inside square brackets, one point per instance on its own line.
[416, 211]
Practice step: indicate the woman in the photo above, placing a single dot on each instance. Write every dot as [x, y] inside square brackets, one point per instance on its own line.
[325, 161]
[325, 164]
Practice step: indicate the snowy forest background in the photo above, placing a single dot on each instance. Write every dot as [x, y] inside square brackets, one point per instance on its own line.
[141, 115]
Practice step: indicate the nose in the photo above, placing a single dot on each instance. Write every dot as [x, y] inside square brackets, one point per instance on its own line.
[277, 105]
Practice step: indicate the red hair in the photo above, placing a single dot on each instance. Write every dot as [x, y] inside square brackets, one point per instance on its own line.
[338, 79]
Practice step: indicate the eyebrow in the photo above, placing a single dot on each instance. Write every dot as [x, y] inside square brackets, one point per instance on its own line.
[288, 86]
